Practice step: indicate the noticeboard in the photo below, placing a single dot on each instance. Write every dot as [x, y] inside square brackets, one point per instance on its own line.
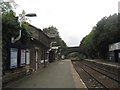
[27, 57]
[22, 58]
[13, 57]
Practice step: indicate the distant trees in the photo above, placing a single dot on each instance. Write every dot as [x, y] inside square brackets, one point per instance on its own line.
[53, 33]
[96, 43]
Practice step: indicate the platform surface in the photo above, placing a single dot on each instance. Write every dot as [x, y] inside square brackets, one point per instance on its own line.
[59, 74]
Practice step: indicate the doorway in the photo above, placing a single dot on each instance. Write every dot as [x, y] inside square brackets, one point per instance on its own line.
[36, 60]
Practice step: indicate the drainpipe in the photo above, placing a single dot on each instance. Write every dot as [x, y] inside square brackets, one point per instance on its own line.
[21, 20]
[18, 38]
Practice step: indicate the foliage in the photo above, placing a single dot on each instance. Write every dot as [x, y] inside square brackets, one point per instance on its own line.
[7, 5]
[26, 33]
[10, 26]
[96, 43]
[10, 23]
[73, 54]
[88, 45]
[76, 56]
[52, 32]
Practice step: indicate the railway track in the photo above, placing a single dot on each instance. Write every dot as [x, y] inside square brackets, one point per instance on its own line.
[102, 67]
[95, 78]
[108, 73]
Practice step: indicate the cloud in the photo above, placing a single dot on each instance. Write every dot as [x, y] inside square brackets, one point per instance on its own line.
[73, 18]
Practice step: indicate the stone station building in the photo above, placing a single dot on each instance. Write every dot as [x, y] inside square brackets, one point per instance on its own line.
[24, 59]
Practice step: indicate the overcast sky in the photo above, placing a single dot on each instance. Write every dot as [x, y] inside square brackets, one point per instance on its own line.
[74, 19]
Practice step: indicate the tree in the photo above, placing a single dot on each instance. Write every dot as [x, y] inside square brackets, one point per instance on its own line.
[96, 43]
[8, 5]
[88, 45]
[61, 43]
[106, 33]
[52, 32]
[11, 28]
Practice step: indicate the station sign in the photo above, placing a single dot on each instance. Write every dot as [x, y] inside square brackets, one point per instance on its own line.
[115, 46]
[54, 47]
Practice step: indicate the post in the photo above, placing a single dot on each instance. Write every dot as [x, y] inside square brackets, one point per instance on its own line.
[44, 58]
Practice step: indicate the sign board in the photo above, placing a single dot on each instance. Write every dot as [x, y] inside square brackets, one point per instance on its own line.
[22, 58]
[62, 56]
[13, 57]
[27, 57]
[114, 46]
[54, 47]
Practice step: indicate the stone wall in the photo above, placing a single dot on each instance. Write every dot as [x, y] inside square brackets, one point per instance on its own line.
[39, 44]
[11, 75]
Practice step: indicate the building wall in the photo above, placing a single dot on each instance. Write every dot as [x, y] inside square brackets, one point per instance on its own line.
[117, 55]
[40, 49]
[39, 35]
[39, 43]
[114, 56]
[114, 52]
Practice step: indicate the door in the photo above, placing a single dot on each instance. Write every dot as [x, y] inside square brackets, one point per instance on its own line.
[119, 57]
[36, 60]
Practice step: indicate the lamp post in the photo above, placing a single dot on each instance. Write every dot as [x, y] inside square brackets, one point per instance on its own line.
[22, 19]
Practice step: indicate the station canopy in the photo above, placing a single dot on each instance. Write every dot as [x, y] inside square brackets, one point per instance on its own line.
[114, 46]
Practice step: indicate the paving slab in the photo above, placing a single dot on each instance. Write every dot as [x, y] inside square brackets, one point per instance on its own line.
[59, 74]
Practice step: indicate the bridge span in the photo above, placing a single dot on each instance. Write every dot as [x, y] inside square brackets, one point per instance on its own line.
[68, 50]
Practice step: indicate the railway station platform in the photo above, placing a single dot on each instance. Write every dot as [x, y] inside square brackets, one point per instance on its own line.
[59, 74]
[106, 63]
